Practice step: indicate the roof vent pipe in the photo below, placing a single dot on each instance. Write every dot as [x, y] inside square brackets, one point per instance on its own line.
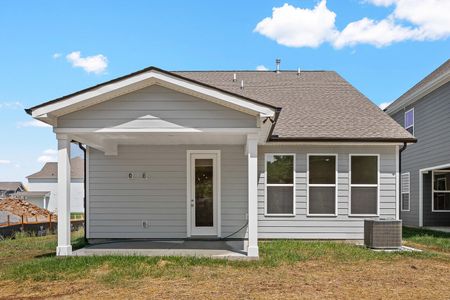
[242, 84]
[298, 71]
[277, 63]
[234, 77]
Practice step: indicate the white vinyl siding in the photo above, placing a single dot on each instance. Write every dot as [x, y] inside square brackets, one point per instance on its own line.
[405, 195]
[157, 107]
[341, 226]
[118, 205]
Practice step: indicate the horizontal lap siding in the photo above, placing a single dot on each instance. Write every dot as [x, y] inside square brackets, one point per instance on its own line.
[340, 227]
[431, 124]
[117, 205]
[157, 107]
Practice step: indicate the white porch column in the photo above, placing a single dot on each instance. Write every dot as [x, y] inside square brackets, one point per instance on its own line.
[252, 156]
[63, 198]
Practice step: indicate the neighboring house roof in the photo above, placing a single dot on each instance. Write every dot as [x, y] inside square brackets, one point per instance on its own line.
[434, 80]
[32, 194]
[315, 105]
[50, 170]
[11, 186]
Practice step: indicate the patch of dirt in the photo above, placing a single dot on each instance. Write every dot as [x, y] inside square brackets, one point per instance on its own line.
[407, 278]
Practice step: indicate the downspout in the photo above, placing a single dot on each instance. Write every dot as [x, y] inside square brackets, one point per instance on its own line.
[400, 174]
[84, 190]
[274, 122]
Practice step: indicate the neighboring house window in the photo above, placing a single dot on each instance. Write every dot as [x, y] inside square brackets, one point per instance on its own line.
[441, 191]
[409, 120]
[322, 178]
[280, 184]
[405, 191]
[364, 185]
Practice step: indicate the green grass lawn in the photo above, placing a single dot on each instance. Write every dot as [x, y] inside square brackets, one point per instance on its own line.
[429, 238]
[29, 268]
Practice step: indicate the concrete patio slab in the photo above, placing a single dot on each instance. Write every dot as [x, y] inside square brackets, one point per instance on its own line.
[211, 249]
[439, 228]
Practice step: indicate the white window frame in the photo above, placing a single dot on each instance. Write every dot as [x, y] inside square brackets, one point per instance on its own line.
[293, 184]
[414, 120]
[434, 191]
[363, 185]
[335, 185]
[409, 191]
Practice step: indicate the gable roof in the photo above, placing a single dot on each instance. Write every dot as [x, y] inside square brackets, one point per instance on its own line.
[50, 170]
[432, 81]
[310, 106]
[11, 186]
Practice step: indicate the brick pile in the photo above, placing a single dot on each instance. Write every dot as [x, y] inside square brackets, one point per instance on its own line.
[30, 212]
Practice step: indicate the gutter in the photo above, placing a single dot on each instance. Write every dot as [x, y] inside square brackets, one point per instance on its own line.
[84, 190]
[403, 148]
[274, 122]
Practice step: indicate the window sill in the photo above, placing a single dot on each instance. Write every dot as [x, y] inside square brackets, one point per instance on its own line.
[440, 211]
[322, 215]
[279, 215]
[362, 216]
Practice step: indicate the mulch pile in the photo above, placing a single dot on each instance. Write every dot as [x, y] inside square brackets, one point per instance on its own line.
[30, 211]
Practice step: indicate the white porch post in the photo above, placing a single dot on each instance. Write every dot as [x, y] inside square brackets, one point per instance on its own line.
[63, 198]
[252, 156]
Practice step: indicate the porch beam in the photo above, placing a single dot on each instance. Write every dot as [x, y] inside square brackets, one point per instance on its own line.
[63, 198]
[251, 149]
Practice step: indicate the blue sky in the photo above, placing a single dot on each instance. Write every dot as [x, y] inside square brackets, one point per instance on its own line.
[382, 47]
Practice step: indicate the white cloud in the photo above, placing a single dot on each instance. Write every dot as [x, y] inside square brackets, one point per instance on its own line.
[261, 68]
[298, 27]
[56, 55]
[92, 64]
[32, 123]
[415, 20]
[4, 162]
[376, 33]
[48, 156]
[11, 105]
[384, 105]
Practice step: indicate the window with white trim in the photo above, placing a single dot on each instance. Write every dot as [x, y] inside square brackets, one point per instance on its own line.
[280, 184]
[409, 121]
[322, 177]
[405, 188]
[441, 191]
[364, 185]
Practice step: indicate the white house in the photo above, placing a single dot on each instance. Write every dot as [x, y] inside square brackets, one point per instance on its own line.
[197, 154]
[45, 182]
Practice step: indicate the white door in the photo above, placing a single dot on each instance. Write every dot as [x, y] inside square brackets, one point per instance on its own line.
[203, 193]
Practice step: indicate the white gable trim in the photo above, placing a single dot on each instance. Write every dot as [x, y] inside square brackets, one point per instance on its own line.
[137, 82]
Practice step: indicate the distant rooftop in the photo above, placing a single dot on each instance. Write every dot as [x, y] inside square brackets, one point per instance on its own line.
[50, 170]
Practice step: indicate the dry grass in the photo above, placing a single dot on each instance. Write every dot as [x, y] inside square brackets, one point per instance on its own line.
[288, 269]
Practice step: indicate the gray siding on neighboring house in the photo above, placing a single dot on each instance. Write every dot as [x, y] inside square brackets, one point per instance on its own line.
[431, 128]
[314, 227]
[157, 107]
[117, 205]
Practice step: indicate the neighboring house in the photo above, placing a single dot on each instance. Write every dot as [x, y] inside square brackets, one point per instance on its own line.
[40, 199]
[197, 154]
[46, 181]
[424, 111]
[9, 188]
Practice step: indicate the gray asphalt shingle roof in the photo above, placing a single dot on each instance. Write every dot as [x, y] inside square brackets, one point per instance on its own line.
[315, 105]
[50, 170]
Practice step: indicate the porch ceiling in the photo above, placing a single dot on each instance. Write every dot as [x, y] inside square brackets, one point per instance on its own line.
[109, 141]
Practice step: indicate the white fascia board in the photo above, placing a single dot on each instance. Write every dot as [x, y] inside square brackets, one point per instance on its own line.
[157, 130]
[139, 81]
[420, 93]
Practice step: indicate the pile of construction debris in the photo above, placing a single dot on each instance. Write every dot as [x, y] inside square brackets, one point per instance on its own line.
[17, 210]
